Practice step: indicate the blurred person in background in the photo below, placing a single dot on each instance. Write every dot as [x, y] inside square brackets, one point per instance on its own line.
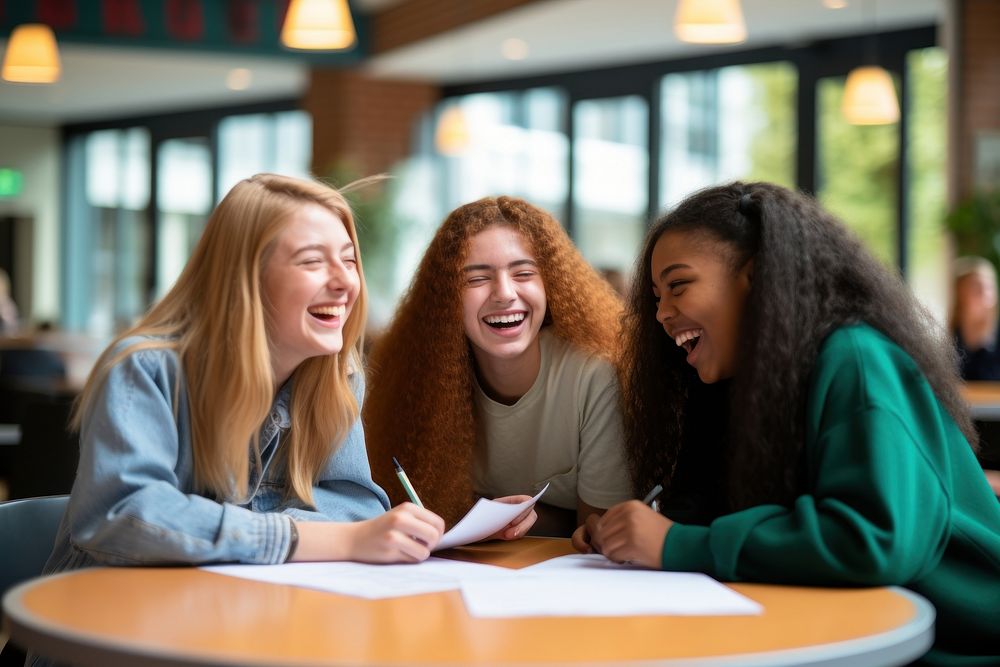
[974, 318]
[8, 309]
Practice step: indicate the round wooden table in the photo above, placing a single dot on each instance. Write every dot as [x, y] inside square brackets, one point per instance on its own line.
[187, 616]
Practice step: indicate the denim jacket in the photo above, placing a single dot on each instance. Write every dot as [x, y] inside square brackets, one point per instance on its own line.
[134, 501]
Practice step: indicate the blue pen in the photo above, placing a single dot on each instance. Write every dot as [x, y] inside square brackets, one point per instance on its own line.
[406, 483]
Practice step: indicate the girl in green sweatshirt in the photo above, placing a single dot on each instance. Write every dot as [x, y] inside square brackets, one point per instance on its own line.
[802, 411]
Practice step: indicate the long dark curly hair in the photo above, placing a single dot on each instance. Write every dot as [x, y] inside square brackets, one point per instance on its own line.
[419, 406]
[811, 275]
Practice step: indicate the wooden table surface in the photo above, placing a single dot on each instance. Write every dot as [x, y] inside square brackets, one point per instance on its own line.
[983, 399]
[187, 616]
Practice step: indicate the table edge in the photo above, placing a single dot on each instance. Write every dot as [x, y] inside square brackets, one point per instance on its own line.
[900, 645]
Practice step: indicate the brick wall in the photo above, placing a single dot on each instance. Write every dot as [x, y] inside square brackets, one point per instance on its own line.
[978, 97]
[361, 121]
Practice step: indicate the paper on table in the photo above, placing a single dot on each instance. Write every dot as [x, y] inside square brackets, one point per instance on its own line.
[485, 518]
[591, 585]
[367, 581]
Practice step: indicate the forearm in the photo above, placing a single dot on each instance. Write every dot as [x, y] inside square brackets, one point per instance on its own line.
[323, 541]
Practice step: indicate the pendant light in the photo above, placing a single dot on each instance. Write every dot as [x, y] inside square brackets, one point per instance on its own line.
[318, 25]
[870, 97]
[710, 22]
[32, 55]
[452, 134]
[869, 94]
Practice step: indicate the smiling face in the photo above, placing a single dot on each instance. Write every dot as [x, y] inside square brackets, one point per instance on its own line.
[309, 283]
[503, 298]
[700, 300]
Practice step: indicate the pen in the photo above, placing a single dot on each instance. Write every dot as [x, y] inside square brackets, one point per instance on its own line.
[406, 483]
[651, 497]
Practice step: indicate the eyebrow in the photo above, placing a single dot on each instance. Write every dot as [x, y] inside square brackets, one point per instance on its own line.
[672, 267]
[321, 247]
[490, 267]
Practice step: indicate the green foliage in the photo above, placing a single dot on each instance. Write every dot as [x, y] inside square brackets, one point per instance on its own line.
[858, 166]
[858, 172]
[927, 139]
[772, 156]
[975, 225]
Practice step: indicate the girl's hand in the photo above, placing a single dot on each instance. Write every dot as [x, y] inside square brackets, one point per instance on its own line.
[521, 524]
[630, 531]
[582, 535]
[404, 534]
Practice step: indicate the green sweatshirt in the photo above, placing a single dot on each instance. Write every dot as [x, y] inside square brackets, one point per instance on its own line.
[895, 497]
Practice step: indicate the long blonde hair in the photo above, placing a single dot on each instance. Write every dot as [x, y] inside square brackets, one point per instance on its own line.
[214, 318]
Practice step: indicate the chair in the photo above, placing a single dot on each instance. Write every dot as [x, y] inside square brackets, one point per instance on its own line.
[27, 532]
[24, 372]
[44, 463]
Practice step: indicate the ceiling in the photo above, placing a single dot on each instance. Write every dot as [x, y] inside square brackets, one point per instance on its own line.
[557, 35]
[563, 35]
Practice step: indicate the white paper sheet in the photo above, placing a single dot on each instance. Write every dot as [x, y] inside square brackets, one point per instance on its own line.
[591, 585]
[485, 518]
[368, 581]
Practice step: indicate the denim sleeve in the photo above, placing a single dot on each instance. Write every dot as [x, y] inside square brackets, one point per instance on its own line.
[346, 491]
[133, 501]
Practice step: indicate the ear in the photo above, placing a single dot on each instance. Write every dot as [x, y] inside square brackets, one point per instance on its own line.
[745, 274]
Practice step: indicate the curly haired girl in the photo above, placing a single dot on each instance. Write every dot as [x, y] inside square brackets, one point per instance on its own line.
[802, 411]
[496, 375]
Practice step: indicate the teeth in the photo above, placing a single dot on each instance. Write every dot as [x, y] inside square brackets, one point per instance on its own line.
[685, 336]
[335, 311]
[504, 319]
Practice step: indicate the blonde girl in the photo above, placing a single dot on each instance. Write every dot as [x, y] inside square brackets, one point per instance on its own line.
[224, 425]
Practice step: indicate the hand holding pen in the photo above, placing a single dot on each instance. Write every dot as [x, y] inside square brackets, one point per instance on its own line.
[406, 533]
[628, 532]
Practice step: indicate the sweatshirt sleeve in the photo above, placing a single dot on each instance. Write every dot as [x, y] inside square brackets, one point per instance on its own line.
[877, 510]
[878, 515]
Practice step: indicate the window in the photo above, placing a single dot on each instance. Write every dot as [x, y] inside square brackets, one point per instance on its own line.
[926, 137]
[250, 144]
[111, 235]
[518, 147]
[611, 163]
[857, 172]
[726, 124]
[127, 238]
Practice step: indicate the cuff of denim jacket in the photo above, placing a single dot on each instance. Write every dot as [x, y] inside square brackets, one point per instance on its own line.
[260, 538]
[687, 549]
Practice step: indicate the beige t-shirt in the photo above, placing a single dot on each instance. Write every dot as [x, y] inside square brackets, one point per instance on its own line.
[566, 431]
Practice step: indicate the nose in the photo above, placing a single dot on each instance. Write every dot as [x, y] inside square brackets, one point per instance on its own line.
[503, 288]
[339, 278]
[664, 311]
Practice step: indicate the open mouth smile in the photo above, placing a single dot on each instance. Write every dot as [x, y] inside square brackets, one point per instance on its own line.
[508, 321]
[327, 313]
[689, 339]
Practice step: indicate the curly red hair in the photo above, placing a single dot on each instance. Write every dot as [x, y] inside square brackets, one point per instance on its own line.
[419, 406]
